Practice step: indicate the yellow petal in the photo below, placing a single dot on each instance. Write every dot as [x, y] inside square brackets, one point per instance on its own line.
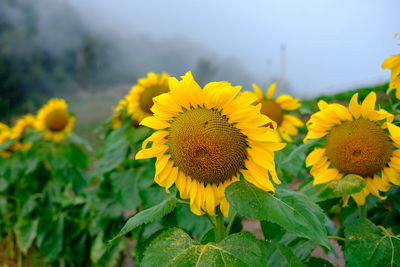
[258, 92]
[368, 104]
[271, 90]
[315, 156]
[210, 200]
[155, 123]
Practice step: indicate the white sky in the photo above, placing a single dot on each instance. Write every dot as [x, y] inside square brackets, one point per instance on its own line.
[331, 45]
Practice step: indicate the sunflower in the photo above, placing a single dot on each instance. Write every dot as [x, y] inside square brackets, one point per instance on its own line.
[3, 127]
[359, 140]
[393, 63]
[5, 135]
[20, 129]
[55, 120]
[275, 109]
[119, 113]
[206, 138]
[140, 98]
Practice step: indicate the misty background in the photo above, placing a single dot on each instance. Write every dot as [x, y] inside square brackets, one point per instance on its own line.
[91, 52]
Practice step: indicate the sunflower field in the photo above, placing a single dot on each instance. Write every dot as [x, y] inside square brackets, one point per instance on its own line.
[218, 175]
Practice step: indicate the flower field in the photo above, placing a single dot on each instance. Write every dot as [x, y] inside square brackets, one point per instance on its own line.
[182, 169]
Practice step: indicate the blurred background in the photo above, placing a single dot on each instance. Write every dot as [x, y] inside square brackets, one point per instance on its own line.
[91, 52]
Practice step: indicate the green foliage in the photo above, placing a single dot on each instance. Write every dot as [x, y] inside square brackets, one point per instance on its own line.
[292, 210]
[174, 247]
[368, 245]
[147, 216]
[349, 184]
[281, 255]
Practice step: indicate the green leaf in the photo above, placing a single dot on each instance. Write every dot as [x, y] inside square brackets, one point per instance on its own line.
[174, 247]
[6, 144]
[124, 186]
[292, 210]
[77, 157]
[25, 232]
[367, 245]
[291, 159]
[50, 237]
[281, 255]
[81, 142]
[272, 231]
[147, 216]
[349, 184]
[190, 222]
[98, 249]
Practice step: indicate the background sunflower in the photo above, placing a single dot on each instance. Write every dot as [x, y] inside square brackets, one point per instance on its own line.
[287, 125]
[22, 125]
[55, 120]
[357, 142]
[393, 63]
[206, 139]
[140, 98]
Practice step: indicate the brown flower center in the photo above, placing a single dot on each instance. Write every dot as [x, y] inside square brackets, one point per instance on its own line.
[57, 120]
[272, 110]
[205, 146]
[358, 147]
[146, 97]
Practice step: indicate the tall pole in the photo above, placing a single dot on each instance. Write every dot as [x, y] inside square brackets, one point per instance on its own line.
[282, 87]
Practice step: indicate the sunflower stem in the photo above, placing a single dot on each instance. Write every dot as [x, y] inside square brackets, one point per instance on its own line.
[211, 219]
[219, 228]
[228, 228]
[363, 211]
[337, 238]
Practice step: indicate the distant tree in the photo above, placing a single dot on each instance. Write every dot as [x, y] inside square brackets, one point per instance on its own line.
[205, 71]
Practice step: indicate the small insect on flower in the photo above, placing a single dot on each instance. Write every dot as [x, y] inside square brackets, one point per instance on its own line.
[359, 140]
[206, 138]
[55, 120]
[21, 127]
[140, 98]
[275, 109]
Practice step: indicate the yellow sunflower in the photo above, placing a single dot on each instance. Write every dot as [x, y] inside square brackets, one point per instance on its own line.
[393, 63]
[20, 128]
[119, 113]
[3, 126]
[206, 138]
[359, 140]
[5, 135]
[275, 109]
[140, 98]
[55, 120]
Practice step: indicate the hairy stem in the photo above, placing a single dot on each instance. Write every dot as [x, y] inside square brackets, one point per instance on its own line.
[219, 228]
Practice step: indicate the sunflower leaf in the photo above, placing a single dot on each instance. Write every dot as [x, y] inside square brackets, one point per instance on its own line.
[174, 247]
[367, 245]
[25, 233]
[146, 216]
[349, 184]
[280, 255]
[291, 210]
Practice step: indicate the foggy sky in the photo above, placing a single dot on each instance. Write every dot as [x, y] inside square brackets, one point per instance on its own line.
[330, 45]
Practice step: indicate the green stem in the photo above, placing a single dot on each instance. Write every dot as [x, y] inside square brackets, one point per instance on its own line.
[363, 211]
[211, 219]
[219, 228]
[228, 228]
[337, 238]
[19, 258]
[383, 229]
[178, 201]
